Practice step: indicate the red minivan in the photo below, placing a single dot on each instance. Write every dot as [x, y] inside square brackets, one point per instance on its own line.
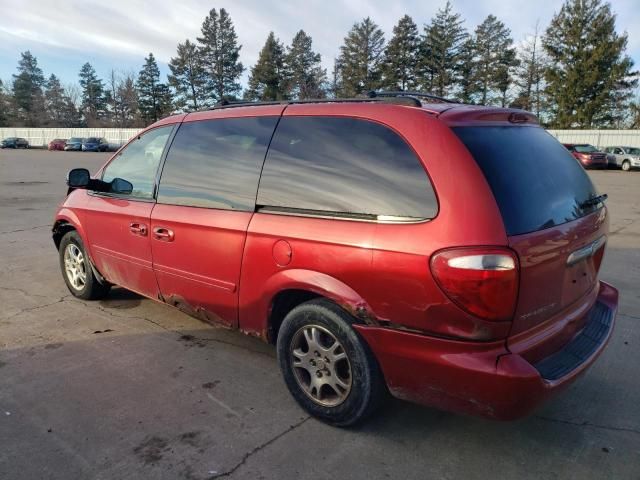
[588, 155]
[445, 253]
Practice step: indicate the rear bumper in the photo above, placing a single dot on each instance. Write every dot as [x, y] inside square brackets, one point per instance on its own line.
[487, 379]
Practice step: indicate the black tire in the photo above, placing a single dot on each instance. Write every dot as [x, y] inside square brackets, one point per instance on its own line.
[626, 166]
[90, 288]
[367, 386]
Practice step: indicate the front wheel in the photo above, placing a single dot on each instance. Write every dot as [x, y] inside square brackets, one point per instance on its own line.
[77, 271]
[626, 166]
[328, 368]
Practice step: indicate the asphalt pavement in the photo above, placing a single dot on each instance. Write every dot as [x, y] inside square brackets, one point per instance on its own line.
[127, 388]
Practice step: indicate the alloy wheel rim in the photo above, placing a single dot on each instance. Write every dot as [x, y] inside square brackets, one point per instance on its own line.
[320, 365]
[75, 266]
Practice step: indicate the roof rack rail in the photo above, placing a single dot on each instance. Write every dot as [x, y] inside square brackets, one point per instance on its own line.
[241, 103]
[401, 97]
[244, 103]
[402, 93]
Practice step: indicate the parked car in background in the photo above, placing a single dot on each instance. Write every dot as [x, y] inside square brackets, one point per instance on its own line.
[57, 144]
[317, 227]
[626, 158]
[95, 144]
[14, 142]
[588, 155]
[74, 144]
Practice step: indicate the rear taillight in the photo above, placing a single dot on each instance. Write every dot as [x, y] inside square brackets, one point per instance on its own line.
[482, 281]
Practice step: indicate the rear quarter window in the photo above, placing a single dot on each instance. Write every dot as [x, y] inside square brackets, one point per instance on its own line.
[536, 182]
[344, 167]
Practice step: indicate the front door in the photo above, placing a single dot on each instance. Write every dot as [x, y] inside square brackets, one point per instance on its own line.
[206, 198]
[118, 225]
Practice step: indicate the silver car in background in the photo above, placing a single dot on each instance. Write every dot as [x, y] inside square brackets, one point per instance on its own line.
[626, 158]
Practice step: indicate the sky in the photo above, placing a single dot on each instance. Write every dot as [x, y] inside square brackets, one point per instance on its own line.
[118, 34]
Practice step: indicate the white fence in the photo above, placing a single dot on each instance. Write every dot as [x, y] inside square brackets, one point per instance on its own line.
[40, 137]
[599, 138]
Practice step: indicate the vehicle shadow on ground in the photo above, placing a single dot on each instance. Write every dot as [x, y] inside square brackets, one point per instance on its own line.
[122, 299]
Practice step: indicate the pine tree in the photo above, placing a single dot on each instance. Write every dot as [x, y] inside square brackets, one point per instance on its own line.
[93, 100]
[188, 77]
[55, 102]
[399, 69]
[74, 116]
[268, 76]
[504, 74]
[335, 88]
[27, 91]
[154, 98]
[529, 75]
[590, 78]
[493, 61]
[634, 112]
[441, 51]
[5, 106]
[466, 83]
[220, 56]
[361, 58]
[306, 77]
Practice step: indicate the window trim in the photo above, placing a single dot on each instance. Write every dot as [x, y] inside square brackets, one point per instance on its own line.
[156, 178]
[381, 219]
[329, 215]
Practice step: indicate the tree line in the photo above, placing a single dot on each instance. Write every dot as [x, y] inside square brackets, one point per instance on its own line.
[576, 73]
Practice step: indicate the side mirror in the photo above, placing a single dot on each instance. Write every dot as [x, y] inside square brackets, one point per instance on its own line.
[78, 178]
[120, 185]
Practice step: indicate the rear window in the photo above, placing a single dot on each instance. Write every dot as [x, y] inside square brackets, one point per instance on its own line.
[537, 183]
[344, 167]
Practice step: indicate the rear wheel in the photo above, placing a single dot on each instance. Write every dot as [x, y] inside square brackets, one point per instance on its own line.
[77, 271]
[328, 368]
[626, 165]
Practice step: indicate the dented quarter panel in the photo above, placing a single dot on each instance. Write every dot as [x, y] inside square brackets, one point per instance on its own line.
[332, 262]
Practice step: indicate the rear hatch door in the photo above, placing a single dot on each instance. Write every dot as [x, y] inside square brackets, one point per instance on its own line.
[553, 216]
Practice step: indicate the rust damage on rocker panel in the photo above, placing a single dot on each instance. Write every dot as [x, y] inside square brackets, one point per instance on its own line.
[198, 312]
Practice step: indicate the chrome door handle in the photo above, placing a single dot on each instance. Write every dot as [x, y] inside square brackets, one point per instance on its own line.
[138, 229]
[163, 234]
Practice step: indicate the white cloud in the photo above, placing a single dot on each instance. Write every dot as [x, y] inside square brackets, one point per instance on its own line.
[133, 28]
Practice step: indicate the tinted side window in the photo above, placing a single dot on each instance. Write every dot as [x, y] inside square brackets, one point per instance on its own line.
[344, 165]
[216, 163]
[138, 162]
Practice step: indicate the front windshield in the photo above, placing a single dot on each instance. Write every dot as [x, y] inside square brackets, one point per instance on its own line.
[92, 140]
[585, 148]
[75, 139]
[634, 151]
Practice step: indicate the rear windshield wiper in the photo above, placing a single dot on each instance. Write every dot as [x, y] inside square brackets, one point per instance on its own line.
[593, 201]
